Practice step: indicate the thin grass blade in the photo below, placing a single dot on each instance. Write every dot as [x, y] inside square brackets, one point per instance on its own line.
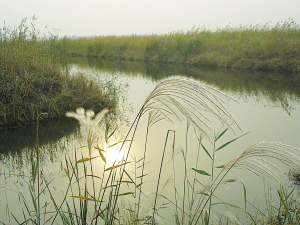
[86, 159]
[86, 198]
[229, 142]
[201, 172]
[206, 151]
[114, 167]
[229, 181]
[67, 173]
[126, 193]
[220, 135]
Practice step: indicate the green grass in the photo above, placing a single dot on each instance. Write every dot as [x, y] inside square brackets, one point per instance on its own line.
[32, 80]
[262, 46]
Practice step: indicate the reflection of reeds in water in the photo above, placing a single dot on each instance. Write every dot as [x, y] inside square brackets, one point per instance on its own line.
[175, 99]
[273, 88]
[50, 132]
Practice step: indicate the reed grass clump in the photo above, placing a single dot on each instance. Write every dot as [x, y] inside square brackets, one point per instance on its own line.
[32, 80]
[180, 99]
[262, 46]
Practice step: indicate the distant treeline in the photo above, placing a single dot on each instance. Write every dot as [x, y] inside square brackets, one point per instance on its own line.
[264, 47]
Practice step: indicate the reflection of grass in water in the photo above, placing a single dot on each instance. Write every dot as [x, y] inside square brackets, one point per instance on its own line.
[17, 144]
[14, 140]
[274, 87]
[175, 99]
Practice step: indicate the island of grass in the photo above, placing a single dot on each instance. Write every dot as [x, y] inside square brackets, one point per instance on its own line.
[32, 81]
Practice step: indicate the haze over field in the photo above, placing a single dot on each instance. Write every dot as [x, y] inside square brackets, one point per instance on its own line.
[119, 17]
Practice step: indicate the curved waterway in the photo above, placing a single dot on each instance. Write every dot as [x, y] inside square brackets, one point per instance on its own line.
[265, 105]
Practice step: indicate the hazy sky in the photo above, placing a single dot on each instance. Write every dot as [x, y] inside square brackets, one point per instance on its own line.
[123, 17]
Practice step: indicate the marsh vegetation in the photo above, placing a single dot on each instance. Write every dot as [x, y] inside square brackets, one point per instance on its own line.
[262, 47]
[33, 81]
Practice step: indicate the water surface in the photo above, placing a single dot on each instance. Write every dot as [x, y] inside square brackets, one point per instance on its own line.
[266, 104]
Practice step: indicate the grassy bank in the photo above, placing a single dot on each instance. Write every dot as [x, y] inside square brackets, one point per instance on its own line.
[264, 47]
[32, 81]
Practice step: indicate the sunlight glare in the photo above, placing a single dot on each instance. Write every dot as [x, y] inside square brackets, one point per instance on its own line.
[113, 155]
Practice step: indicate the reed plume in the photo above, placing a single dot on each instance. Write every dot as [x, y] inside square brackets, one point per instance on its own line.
[179, 98]
[89, 124]
[256, 159]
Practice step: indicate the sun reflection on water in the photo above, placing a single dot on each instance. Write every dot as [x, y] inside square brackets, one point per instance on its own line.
[114, 155]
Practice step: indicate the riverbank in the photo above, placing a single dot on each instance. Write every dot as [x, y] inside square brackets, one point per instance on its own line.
[32, 80]
[261, 47]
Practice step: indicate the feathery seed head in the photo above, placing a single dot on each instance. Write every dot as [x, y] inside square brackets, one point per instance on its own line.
[255, 158]
[89, 127]
[180, 98]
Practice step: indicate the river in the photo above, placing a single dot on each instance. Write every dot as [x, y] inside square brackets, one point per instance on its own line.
[266, 106]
